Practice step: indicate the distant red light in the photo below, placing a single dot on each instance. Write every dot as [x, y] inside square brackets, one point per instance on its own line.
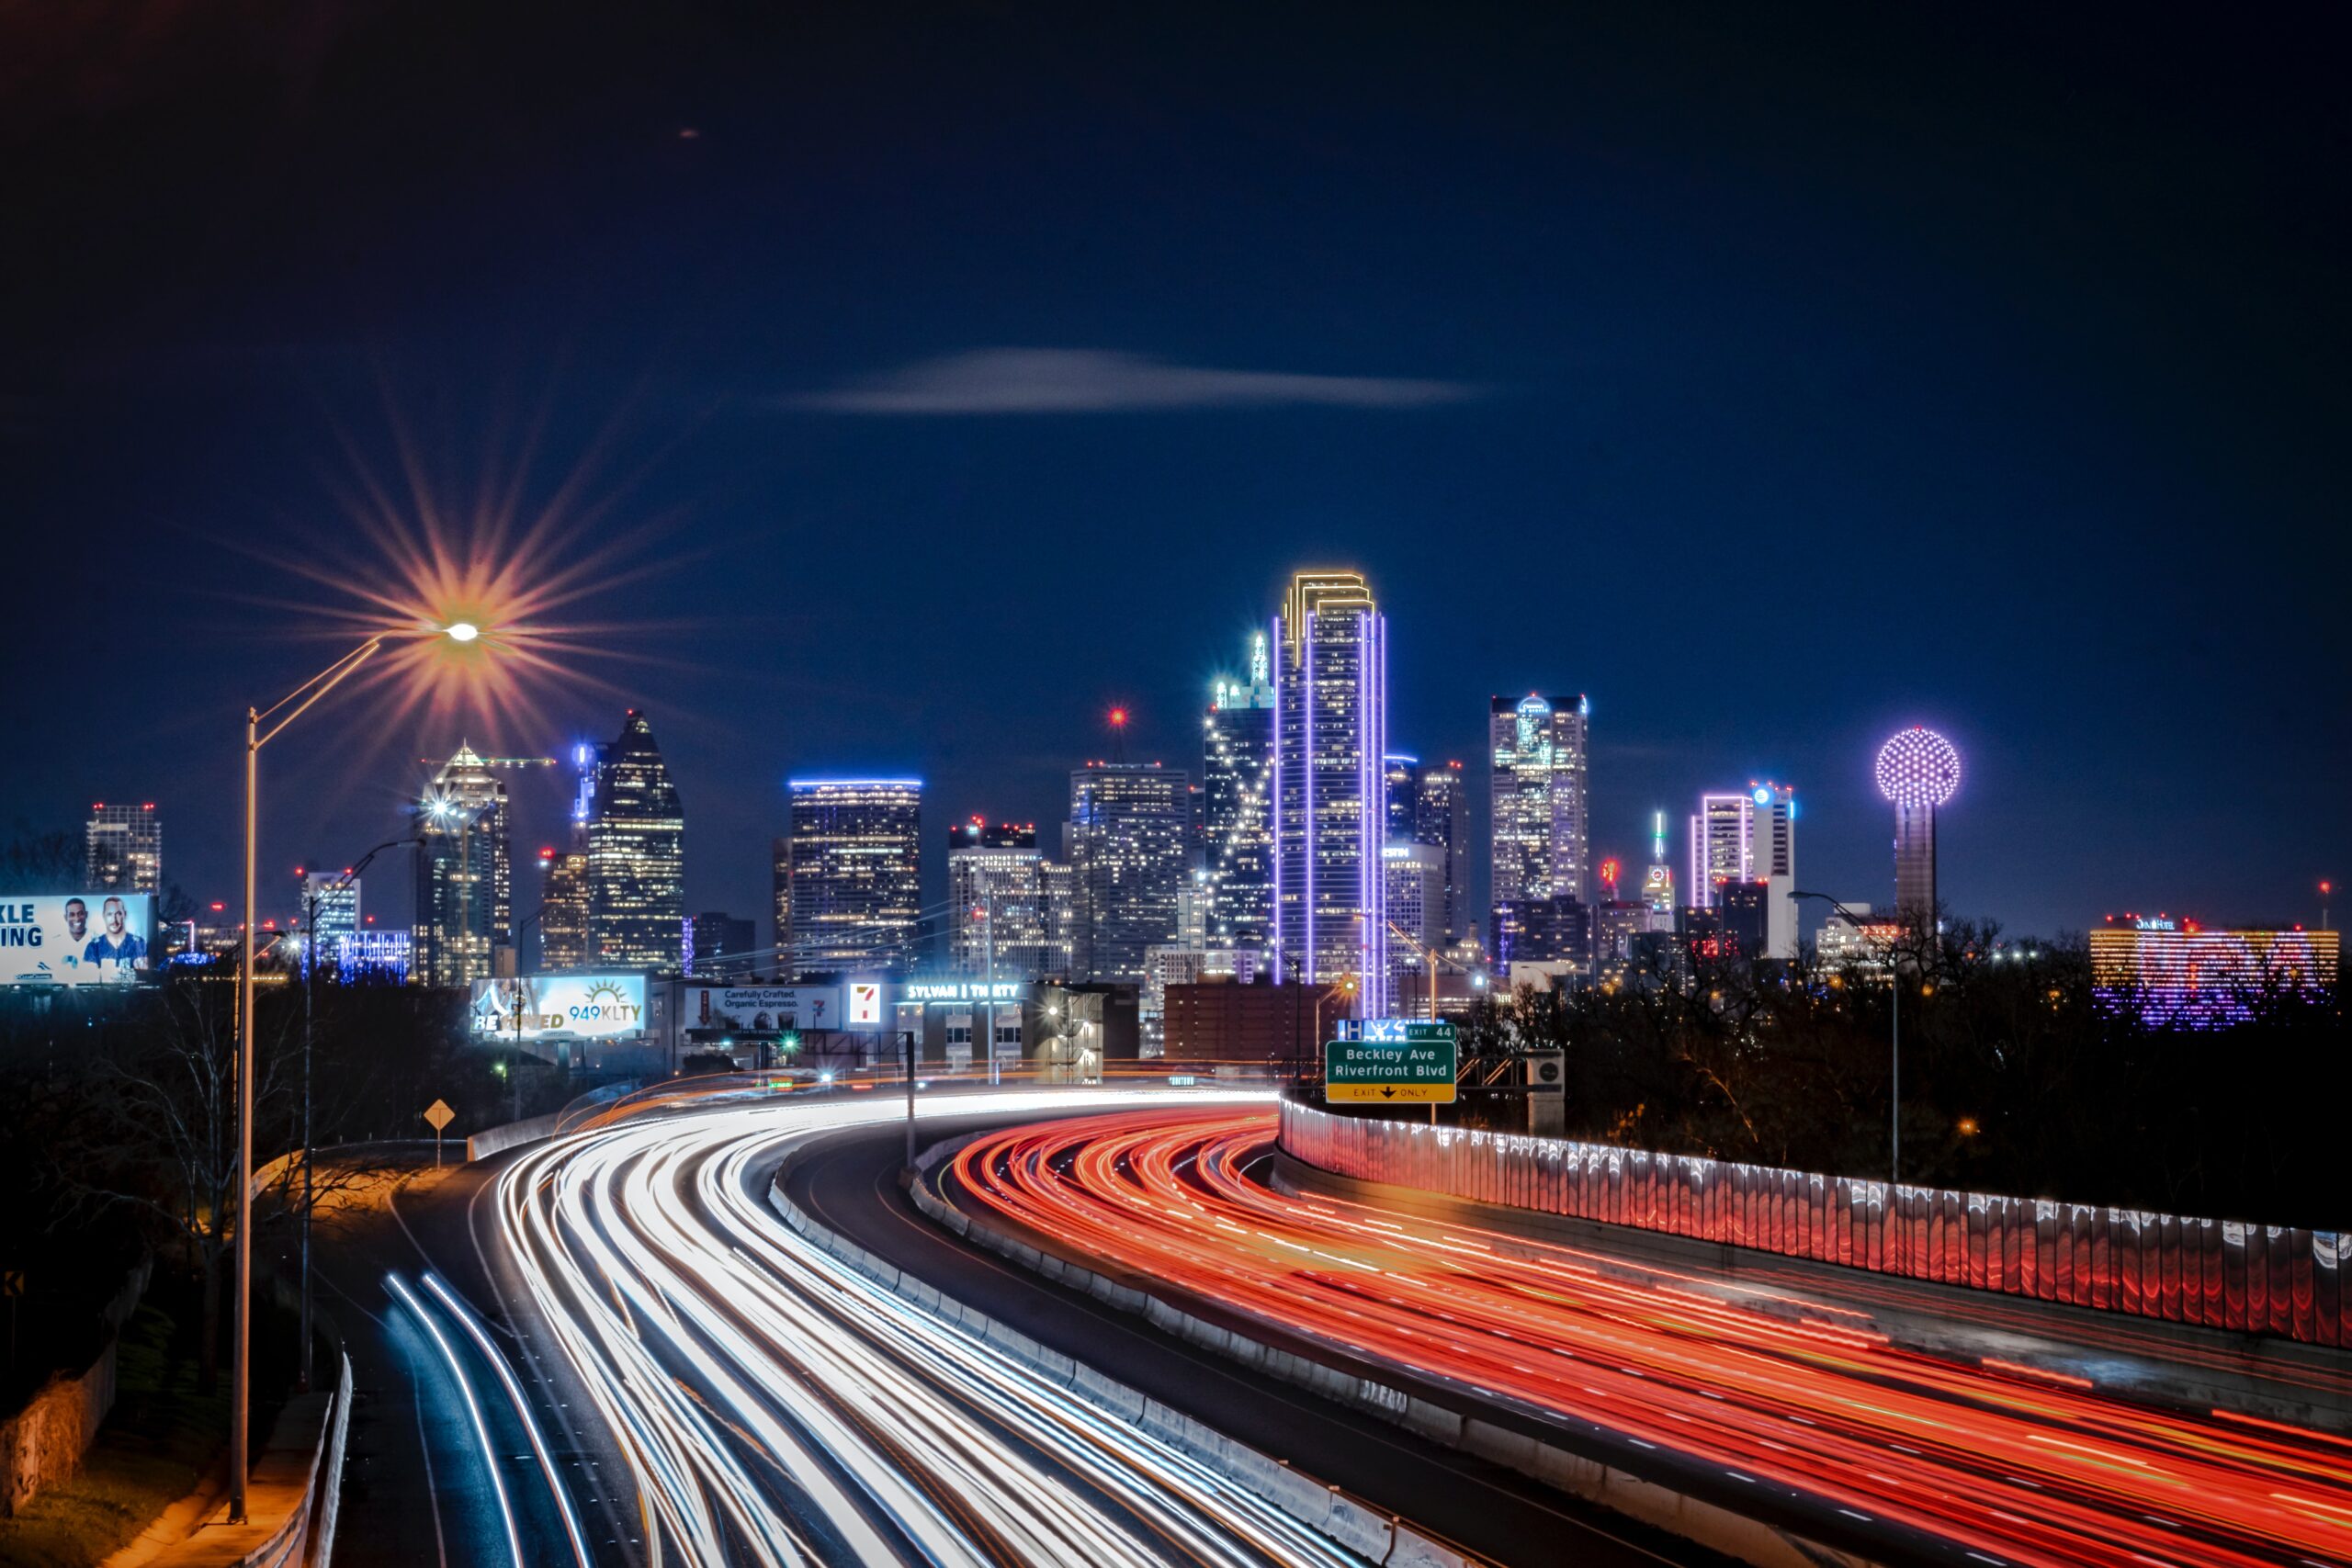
[217, 908]
[1118, 718]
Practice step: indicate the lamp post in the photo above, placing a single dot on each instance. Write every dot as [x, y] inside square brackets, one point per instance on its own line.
[294, 705]
[1895, 1048]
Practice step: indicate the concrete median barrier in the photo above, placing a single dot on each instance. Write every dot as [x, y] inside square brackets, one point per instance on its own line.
[1347, 1521]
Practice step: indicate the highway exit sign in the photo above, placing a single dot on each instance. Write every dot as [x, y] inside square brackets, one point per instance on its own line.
[1394, 1061]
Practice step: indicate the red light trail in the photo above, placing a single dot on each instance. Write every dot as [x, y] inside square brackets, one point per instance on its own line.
[2012, 1465]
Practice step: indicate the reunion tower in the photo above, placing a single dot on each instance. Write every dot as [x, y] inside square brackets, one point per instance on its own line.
[1918, 769]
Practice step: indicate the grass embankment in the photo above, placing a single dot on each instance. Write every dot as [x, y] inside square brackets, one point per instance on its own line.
[157, 1444]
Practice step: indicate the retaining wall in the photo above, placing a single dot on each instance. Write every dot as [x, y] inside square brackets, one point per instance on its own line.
[46, 1442]
[2268, 1279]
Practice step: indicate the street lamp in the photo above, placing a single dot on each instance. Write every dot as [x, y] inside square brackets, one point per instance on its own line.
[294, 705]
[1895, 1088]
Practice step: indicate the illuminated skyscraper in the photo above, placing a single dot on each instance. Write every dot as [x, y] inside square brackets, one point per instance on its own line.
[1331, 701]
[331, 910]
[1237, 758]
[1439, 821]
[1540, 827]
[1749, 838]
[637, 855]
[1125, 842]
[563, 911]
[1400, 779]
[996, 897]
[1919, 769]
[1658, 882]
[856, 874]
[123, 850]
[1719, 849]
[464, 875]
[717, 943]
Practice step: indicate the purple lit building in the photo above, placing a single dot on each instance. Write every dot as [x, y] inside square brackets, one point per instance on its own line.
[1919, 771]
[1330, 669]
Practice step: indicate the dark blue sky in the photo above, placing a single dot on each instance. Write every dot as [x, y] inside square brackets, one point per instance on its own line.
[1777, 380]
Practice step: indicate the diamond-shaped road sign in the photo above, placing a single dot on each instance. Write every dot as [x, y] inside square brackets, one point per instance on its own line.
[439, 1114]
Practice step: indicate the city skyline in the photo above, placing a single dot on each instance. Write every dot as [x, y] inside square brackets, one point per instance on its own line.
[1649, 324]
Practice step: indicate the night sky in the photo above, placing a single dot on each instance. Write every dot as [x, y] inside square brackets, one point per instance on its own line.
[907, 387]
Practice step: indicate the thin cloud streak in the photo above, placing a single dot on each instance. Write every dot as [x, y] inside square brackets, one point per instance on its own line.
[1085, 380]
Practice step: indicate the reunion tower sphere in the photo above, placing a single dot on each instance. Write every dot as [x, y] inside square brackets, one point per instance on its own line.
[1917, 767]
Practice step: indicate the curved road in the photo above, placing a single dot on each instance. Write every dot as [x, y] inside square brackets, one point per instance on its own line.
[620, 1354]
[1964, 1463]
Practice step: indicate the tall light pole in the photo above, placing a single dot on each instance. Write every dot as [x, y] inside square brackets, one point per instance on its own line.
[1894, 1086]
[294, 705]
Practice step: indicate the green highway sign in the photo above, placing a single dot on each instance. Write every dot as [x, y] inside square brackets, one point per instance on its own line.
[1417, 1069]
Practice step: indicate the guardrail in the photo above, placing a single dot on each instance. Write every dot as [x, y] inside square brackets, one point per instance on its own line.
[292, 1498]
[2269, 1280]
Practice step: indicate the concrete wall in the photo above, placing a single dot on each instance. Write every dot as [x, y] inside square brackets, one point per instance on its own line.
[2269, 1280]
[293, 1493]
[46, 1442]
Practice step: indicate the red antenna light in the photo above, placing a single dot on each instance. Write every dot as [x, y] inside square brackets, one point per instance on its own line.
[1118, 718]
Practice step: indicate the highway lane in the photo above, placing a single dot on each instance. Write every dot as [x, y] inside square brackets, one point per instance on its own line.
[848, 1181]
[1951, 1461]
[774, 1406]
[419, 1487]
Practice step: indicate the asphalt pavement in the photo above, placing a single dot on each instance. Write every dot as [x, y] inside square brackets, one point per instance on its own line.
[849, 1181]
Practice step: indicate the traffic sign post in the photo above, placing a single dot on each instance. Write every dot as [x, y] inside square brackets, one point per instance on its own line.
[440, 1115]
[1391, 1061]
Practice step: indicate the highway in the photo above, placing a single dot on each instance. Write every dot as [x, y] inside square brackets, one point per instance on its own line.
[621, 1355]
[1905, 1455]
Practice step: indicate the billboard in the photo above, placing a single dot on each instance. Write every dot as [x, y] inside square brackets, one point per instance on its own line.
[755, 1009]
[865, 1004]
[562, 1007]
[76, 939]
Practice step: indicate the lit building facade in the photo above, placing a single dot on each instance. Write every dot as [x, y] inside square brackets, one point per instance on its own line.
[1538, 824]
[1330, 666]
[637, 855]
[1237, 760]
[563, 911]
[1400, 779]
[855, 872]
[331, 911]
[1059, 881]
[1126, 843]
[1415, 874]
[1720, 845]
[122, 849]
[464, 873]
[717, 944]
[996, 896]
[2178, 974]
[1439, 822]
[369, 955]
[1543, 930]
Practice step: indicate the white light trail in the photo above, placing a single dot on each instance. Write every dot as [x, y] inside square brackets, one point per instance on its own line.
[771, 1399]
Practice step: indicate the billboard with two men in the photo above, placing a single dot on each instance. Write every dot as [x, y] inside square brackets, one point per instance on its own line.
[76, 939]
